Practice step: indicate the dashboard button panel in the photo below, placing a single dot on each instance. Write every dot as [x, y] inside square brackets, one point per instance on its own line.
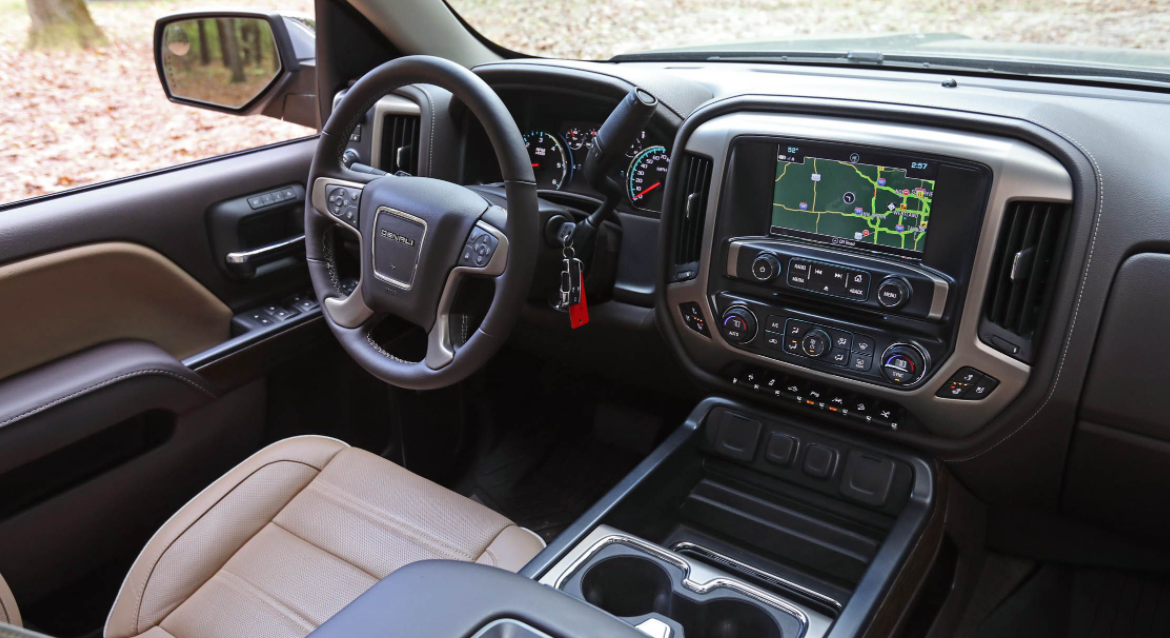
[967, 384]
[837, 277]
[818, 397]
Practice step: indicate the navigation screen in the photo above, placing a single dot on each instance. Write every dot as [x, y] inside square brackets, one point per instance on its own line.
[855, 197]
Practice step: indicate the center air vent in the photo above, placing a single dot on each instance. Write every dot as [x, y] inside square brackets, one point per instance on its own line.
[400, 143]
[691, 207]
[1023, 276]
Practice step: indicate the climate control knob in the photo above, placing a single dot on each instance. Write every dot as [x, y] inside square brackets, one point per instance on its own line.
[816, 343]
[903, 364]
[893, 292]
[738, 325]
[765, 267]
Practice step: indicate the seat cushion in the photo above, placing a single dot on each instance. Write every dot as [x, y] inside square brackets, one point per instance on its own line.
[293, 534]
[9, 614]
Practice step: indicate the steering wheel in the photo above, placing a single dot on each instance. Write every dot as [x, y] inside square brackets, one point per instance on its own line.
[420, 237]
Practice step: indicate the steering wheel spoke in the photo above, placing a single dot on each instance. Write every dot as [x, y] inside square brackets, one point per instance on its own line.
[484, 254]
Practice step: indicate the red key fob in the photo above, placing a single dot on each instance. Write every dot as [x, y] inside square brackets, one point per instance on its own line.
[579, 312]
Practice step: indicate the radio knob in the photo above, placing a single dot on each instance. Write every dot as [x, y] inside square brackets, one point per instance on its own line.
[765, 267]
[816, 343]
[903, 364]
[893, 292]
[738, 325]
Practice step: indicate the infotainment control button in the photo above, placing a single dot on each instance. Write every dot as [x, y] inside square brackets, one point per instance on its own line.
[798, 274]
[893, 292]
[765, 267]
[858, 285]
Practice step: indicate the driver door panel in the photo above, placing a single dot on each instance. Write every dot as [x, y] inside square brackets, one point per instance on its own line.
[107, 291]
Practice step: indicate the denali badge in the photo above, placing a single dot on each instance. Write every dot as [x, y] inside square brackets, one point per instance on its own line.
[398, 238]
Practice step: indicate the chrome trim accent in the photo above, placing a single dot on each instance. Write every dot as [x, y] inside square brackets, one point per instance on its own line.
[351, 311]
[390, 105]
[397, 283]
[941, 288]
[666, 556]
[246, 256]
[654, 628]
[683, 546]
[439, 350]
[1019, 171]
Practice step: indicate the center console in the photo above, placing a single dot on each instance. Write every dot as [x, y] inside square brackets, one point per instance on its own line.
[842, 265]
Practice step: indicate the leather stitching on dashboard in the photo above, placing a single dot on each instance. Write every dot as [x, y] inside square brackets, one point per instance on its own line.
[96, 386]
[1100, 179]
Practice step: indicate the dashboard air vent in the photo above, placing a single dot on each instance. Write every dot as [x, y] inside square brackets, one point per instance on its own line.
[692, 203]
[400, 145]
[1023, 276]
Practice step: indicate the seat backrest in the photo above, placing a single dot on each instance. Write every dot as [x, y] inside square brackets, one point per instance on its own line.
[8, 612]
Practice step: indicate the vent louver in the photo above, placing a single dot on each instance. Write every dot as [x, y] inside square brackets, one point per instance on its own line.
[1023, 275]
[692, 203]
[400, 143]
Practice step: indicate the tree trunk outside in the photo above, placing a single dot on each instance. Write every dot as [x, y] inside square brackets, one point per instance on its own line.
[204, 52]
[229, 46]
[62, 24]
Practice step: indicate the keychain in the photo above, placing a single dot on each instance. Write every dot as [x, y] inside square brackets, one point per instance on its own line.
[573, 285]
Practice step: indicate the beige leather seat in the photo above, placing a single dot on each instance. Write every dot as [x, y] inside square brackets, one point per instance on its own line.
[9, 614]
[293, 534]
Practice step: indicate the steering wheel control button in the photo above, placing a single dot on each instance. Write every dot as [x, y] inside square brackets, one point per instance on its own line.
[798, 272]
[903, 364]
[478, 250]
[815, 343]
[693, 318]
[893, 292]
[765, 267]
[739, 325]
[342, 203]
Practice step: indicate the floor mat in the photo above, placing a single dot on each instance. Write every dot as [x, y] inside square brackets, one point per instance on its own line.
[543, 479]
[1062, 601]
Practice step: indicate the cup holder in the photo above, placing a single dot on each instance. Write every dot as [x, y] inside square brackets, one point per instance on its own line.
[634, 586]
[730, 618]
[627, 586]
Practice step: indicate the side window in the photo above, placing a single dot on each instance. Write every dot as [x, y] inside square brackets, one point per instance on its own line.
[82, 102]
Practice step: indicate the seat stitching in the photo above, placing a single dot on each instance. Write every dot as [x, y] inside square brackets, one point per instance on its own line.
[322, 549]
[150, 575]
[369, 510]
[96, 386]
[493, 541]
[247, 587]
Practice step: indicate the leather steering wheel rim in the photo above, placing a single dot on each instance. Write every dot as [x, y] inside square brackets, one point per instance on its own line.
[444, 216]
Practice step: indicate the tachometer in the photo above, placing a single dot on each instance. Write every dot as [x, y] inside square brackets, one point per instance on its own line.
[550, 160]
[636, 146]
[646, 178]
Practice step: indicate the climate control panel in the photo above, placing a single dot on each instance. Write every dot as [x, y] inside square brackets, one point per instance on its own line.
[843, 349]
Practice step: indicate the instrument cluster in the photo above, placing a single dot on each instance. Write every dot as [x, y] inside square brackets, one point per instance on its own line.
[558, 157]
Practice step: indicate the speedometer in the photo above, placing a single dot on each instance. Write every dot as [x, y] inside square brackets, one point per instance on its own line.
[646, 178]
[550, 160]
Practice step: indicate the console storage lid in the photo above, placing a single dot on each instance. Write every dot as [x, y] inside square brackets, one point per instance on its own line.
[441, 599]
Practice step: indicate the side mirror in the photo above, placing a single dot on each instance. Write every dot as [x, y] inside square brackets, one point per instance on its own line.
[239, 62]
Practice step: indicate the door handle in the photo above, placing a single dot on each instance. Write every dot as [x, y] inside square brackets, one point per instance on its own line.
[245, 262]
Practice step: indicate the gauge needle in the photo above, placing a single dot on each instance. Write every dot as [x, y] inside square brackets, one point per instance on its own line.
[647, 189]
[536, 166]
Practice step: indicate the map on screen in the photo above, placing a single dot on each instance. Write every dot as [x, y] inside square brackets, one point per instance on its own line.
[847, 202]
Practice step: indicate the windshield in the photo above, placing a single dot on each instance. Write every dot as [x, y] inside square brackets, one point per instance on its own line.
[1099, 37]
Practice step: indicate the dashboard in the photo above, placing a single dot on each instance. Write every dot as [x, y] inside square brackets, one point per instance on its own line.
[978, 318]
